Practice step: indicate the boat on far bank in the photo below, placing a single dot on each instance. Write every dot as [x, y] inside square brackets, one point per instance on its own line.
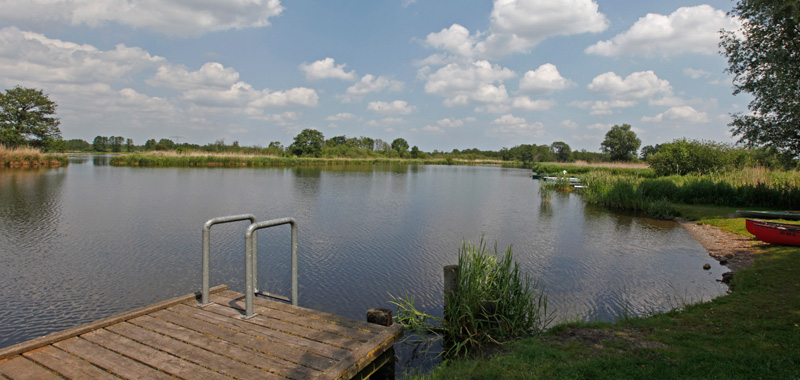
[787, 215]
[774, 233]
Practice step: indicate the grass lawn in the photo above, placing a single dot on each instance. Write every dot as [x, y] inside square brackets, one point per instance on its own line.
[752, 333]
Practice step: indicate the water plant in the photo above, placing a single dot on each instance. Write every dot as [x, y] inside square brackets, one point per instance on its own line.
[27, 157]
[493, 303]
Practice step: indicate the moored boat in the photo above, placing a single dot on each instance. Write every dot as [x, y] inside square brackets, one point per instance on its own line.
[788, 215]
[775, 233]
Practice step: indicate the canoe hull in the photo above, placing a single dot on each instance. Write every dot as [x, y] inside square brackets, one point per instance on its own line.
[774, 233]
[788, 215]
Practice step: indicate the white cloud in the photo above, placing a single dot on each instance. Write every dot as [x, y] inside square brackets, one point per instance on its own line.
[600, 107]
[397, 107]
[173, 17]
[455, 123]
[285, 119]
[212, 74]
[368, 84]
[326, 68]
[517, 25]
[456, 40]
[695, 73]
[569, 124]
[639, 85]
[600, 126]
[463, 84]
[684, 114]
[524, 102]
[544, 79]
[509, 126]
[341, 116]
[687, 30]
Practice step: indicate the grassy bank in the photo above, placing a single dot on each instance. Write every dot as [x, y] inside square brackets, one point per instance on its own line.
[581, 167]
[748, 187]
[752, 333]
[237, 160]
[29, 158]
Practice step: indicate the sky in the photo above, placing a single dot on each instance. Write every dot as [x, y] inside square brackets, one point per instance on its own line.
[442, 74]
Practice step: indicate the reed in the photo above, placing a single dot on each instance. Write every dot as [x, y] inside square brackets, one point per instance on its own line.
[494, 303]
[582, 167]
[26, 157]
[197, 159]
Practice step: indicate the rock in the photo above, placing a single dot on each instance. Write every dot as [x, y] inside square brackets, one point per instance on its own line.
[723, 261]
[707, 266]
[729, 255]
[727, 277]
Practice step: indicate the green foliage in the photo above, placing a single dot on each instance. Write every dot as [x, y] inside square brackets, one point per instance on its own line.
[308, 143]
[562, 151]
[763, 57]
[26, 119]
[494, 303]
[100, 144]
[400, 145]
[692, 156]
[621, 143]
[550, 167]
[78, 145]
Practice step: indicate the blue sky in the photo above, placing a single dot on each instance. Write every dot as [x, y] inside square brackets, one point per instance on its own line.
[441, 74]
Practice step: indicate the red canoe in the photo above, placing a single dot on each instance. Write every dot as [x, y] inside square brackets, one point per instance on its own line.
[775, 233]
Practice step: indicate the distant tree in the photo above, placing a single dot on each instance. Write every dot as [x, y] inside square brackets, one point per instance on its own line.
[78, 145]
[308, 143]
[129, 145]
[26, 118]
[763, 58]
[115, 143]
[400, 145]
[165, 144]
[150, 144]
[366, 143]
[415, 152]
[647, 151]
[336, 140]
[381, 146]
[621, 143]
[100, 144]
[275, 144]
[561, 150]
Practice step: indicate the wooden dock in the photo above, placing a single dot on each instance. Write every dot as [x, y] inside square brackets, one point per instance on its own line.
[179, 339]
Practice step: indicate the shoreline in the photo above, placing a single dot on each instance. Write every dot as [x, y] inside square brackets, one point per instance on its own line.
[732, 250]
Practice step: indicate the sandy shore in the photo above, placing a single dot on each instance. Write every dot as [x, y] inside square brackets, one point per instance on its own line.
[734, 251]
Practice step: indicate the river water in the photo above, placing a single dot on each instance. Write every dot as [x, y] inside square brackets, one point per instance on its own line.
[84, 242]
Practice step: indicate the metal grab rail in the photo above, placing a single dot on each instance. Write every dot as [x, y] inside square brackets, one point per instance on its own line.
[251, 258]
[204, 301]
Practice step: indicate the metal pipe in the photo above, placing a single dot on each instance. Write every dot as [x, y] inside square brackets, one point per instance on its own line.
[251, 257]
[205, 297]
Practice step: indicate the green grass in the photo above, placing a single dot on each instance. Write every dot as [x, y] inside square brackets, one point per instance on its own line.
[572, 169]
[752, 333]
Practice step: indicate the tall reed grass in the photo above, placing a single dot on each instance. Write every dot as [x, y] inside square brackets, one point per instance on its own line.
[619, 168]
[25, 157]
[494, 303]
[239, 160]
[750, 187]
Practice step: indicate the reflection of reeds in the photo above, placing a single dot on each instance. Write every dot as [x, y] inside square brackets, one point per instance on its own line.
[493, 303]
[25, 157]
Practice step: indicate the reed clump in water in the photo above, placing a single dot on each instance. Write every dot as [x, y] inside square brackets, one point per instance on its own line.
[494, 303]
[25, 157]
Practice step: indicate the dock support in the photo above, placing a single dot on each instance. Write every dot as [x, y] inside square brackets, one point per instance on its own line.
[383, 317]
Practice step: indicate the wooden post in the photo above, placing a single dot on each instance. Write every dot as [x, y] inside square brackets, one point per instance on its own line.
[383, 317]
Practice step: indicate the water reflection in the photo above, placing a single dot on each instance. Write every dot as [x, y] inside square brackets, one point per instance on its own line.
[126, 237]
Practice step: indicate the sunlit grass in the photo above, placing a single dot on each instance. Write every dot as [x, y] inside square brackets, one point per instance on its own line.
[26, 157]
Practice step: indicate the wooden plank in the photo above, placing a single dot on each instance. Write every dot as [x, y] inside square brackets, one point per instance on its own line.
[254, 358]
[233, 322]
[359, 359]
[19, 368]
[150, 356]
[325, 337]
[267, 346]
[82, 329]
[110, 361]
[262, 309]
[191, 353]
[305, 312]
[67, 365]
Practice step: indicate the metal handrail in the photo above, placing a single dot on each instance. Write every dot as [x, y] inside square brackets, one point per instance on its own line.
[251, 258]
[205, 301]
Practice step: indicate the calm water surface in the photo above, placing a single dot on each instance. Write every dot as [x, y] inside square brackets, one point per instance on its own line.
[84, 242]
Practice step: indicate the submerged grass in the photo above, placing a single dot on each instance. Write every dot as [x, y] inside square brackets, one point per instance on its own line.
[196, 159]
[752, 333]
[25, 157]
[494, 303]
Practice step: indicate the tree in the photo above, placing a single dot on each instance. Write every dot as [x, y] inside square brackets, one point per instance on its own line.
[129, 145]
[561, 150]
[337, 140]
[26, 118]
[415, 152]
[400, 145]
[621, 143]
[78, 145]
[100, 144]
[150, 144]
[763, 58]
[115, 143]
[648, 151]
[308, 143]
